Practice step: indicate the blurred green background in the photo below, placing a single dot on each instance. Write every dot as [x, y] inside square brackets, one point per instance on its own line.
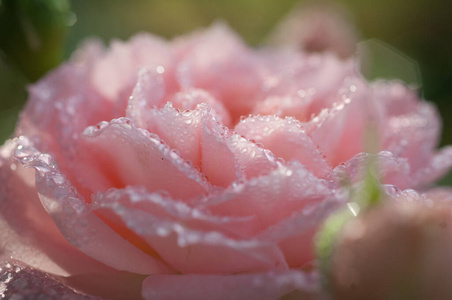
[35, 35]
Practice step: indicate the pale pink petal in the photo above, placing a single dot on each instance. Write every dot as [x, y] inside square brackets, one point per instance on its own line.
[438, 165]
[237, 157]
[216, 154]
[21, 281]
[230, 75]
[190, 250]
[391, 169]
[271, 197]
[108, 285]
[412, 127]
[57, 104]
[207, 144]
[295, 234]
[18, 281]
[25, 224]
[252, 159]
[180, 130]
[78, 224]
[195, 134]
[190, 98]
[119, 154]
[60, 107]
[255, 286]
[440, 194]
[413, 136]
[163, 206]
[341, 130]
[394, 170]
[287, 139]
[89, 52]
[118, 68]
[396, 97]
[297, 106]
[57, 113]
[148, 93]
[314, 79]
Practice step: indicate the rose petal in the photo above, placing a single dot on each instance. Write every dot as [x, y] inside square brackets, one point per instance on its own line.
[79, 225]
[230, 75]
[163, 206]
[412, 127]
[271, 197]
[397, 98]
[252, 159]
[295, 234]
[236, 157]
[207, 144]
[394, 170]
[148, 92]
[259, 286]
[217, 155]
[25, 224]
[286, 138]
[191, 250]
[119, 66]
[189, 99]
[193, 241]
[119, 154]
[181, 130]
[89, 52]
[391, 169]
[110, 285]
[18, 281]
[436, 167]
[441, 195]
[315, 77]
[297, 106]
[340, 131]
[56, 112]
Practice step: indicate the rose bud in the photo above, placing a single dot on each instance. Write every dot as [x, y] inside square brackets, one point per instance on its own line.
[398, 250]
[317, 28]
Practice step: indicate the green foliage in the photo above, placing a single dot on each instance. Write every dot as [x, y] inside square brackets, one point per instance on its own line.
[32, 33]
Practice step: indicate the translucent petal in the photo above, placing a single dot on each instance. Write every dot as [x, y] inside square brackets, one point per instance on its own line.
[255, 286]
[78, 224]
[119, 154]
[295, 234]
[25, 224]
[18, 281]
[271, 197]
[341, 131]
[230, 75]
[286, 138]
[118, 68]
[190, 250]
[162, 206]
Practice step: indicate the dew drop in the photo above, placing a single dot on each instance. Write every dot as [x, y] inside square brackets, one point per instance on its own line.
[160, 69]
[354, 208]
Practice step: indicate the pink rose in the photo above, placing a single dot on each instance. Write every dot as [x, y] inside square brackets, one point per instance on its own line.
[209, 169]
[317, 27]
